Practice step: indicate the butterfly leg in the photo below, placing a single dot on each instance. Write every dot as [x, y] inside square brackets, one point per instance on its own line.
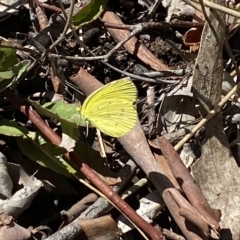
[102, 152]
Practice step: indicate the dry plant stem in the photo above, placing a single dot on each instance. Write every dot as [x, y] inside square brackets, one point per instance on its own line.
[210, 115]
[205, 15]
[62, 37]
[18, 47]
[134, 188]
[136, 77]
[190, 216]
[132, 45]
[234, 72]
[42, 18]
[163, 163]
[154, 25]
[191, 232]
[67, 25]
[151, 112]
[51, 7]
[215, 6]
[172, 235]
[185, 180]
[177, 197]
[57, 83]
[230, 53]
[124, 73]
[130, 191]
[165, 73]
[84, 168]
[135, 31]
[72, 213]
[136, 145]
[220, 8]
[153, 8]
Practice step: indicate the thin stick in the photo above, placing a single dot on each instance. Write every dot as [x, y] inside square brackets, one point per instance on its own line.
[215, 6]
[208, 117]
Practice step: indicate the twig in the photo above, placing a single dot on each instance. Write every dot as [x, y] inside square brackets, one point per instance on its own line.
[67, 25]
[186, 181]
[151, 111]
[154, 25]
[211, 114]
[136, 77]
[215, 6]
[171, 235]
[98, 208]
[18, 47]
[175, 201]
[51, 7]
[138, 28]
[133, 46]
[130, 191]
[75, 210]
[232, 58]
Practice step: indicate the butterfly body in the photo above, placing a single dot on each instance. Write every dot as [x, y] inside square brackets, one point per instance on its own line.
[111, 108]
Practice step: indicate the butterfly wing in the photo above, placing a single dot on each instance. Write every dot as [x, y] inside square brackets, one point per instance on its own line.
[111, 108]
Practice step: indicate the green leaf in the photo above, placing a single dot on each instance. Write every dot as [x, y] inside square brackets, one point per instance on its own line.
[61, 111]
[89, 13]
[12, 129]
[20, 68]
[46, 154]
[69, 117]
[8, 57]
[8, 75]
[8, 78]
[37, 148]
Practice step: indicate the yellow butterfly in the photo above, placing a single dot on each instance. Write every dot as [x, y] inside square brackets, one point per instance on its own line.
[111, 108]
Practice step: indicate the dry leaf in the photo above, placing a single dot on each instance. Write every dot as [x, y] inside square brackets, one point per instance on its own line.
[6, 184]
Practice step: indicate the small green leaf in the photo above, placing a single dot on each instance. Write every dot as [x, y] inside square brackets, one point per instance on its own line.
[89, 13]
[61, 111]
[12, 129]
[20, 68]
[8, 57]
[6, 75]
[7, 78]
[36, 147]
[47, 154]
[38, 138]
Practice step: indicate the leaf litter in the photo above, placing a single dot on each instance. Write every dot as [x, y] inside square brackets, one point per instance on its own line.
[180, 80]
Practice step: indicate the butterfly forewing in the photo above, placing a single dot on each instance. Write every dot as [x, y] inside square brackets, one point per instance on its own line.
[116, 89]
[111, 108]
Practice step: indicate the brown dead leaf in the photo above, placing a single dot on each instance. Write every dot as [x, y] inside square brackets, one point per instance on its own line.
[192, 39]
[103, 228]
